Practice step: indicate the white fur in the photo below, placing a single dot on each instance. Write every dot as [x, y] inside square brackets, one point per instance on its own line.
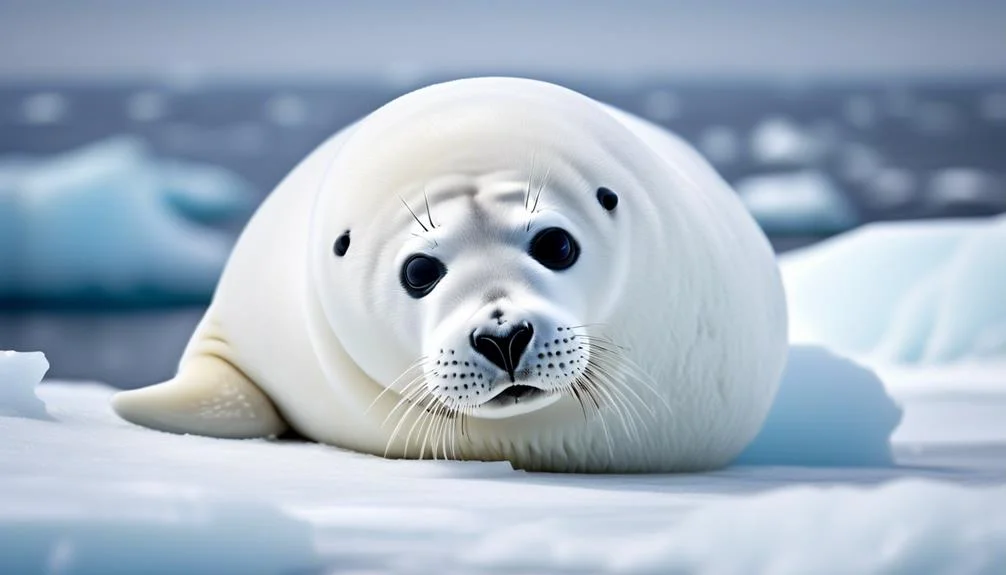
[678, 278]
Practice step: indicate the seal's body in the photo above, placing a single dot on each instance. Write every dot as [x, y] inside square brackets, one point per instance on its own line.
[492, 269]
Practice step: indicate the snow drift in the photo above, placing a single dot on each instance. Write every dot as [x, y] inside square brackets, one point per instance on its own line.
[927, 292]
[110, 222]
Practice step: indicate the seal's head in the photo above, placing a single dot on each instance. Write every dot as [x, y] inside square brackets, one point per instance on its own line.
[493, 249]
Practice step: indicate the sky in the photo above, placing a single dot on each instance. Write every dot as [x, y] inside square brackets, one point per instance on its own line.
[402, 39]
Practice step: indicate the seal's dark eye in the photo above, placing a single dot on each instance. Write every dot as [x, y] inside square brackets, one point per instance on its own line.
[555, 249]
[420, 274]
[607, 198]
[341, 244]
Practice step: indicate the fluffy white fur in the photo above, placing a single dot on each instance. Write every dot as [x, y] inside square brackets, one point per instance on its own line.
[675, 304]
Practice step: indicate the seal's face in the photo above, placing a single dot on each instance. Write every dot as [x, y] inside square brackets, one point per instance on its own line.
[494, 285]
[489, 283]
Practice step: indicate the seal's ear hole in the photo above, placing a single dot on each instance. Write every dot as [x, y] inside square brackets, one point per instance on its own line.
[341, 244]
[607, 198]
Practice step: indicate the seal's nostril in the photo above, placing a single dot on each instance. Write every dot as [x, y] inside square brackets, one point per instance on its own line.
[505, 350]
[496, 313]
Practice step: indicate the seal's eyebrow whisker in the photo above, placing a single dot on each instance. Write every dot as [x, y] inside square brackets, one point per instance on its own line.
[414, 216]
[530, 175]
[537, 196]
[429, 214]
[432, 241]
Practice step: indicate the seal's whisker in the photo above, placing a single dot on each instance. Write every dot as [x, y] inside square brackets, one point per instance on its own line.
[530, 174]
[423, 393]
[620, 364]
[419, 363]
[411, 391]
[610, 402]
[573, 388]
[431, 432]
[534, 208]
[429, 214]
[421, 419]
[432, 241]
[630, 416]
[414, 216]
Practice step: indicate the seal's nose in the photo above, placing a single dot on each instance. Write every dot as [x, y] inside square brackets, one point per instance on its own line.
[504, 349]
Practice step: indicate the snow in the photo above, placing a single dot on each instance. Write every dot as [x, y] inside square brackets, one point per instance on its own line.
[109, 221]
[828, 411]
[19, 374]
[805, 202]
[89, 493]
[927, 293]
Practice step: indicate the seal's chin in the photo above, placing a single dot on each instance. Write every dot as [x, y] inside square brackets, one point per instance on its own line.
[516, 399]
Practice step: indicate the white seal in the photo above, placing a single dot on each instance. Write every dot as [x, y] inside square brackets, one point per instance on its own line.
[492, 269]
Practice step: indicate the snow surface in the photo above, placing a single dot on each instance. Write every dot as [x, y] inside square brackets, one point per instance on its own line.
[89, 493]
[904, 293]
[828, 411]
[797, 203]
[109, 221]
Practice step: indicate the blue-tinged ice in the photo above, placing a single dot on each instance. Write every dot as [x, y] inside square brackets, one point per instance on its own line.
[19, 374]
[904, 293]
[111, 222]
[805, 202]
[828, 411]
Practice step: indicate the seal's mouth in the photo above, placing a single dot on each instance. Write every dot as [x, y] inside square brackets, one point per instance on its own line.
[514, 400]
[515, 394]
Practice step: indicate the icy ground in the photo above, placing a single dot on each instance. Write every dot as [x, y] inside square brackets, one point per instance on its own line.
[84, 492]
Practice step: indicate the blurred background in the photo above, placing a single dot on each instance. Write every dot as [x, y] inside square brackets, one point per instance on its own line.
[136, 137]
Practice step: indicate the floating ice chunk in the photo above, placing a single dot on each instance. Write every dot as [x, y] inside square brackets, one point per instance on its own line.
[912, 292]
[19, 374]
[890, 187]
[829, 411]
[966, 188]
[204, 192]
[44, 108]
[720, 144]
[779, 140]
[860, 162]
[796, 203]
[109, 222]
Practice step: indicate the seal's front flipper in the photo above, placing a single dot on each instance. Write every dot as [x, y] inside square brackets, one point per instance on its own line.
[209, 396]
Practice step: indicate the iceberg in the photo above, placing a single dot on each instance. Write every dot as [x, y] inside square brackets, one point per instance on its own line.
[109, 222]
[805, 202]
[19, 374]
[923, 293]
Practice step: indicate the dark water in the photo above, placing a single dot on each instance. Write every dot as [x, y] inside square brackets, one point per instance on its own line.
[913, 129]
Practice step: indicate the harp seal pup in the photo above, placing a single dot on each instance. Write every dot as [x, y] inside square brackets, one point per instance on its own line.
[492, 269]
